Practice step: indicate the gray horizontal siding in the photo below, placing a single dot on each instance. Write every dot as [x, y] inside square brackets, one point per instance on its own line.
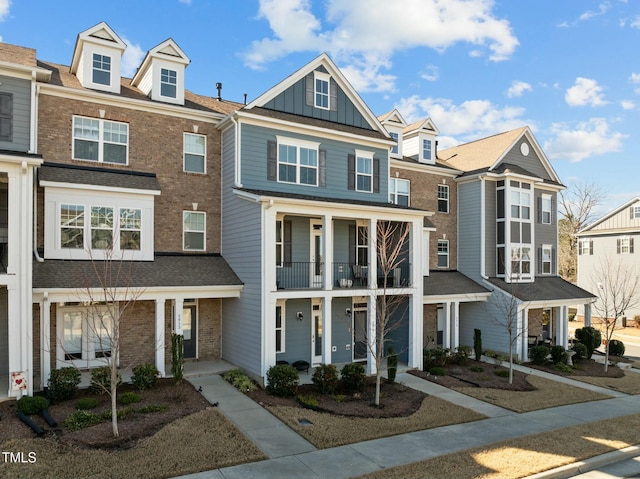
[483, 316]
[21, 125]
[297, 333]
[491, 256]
[468, 229]
[4, 332]
[531, 162]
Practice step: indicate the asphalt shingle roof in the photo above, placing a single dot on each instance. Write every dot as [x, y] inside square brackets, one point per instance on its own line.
[440, 283]
[87, 175]
[552, 288]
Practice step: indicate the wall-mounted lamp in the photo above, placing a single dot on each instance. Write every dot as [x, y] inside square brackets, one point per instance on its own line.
[299, 315]
[347, 312]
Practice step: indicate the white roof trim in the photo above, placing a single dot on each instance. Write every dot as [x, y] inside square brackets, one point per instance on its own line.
[394, 118]
[427, 126]
[167, 50]
[610, 214]
[100, 34]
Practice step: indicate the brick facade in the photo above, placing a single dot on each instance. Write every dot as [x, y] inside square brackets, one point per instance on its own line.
[430, 325]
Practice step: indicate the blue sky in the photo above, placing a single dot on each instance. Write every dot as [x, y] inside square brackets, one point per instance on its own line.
[567, 68]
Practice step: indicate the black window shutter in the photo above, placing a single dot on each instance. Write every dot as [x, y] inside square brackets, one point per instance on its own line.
[554, 260]
[631, 213]
[618, 245]
[310, 90]
[333, 95]
[352, 244]
[590, 247]
[322, 168]
[6, 114]
[539, 201]
[540, 270]
[630, 245]
[351, 176]
[286, 224]
[376, 175]
[554, 211]
[272, 161]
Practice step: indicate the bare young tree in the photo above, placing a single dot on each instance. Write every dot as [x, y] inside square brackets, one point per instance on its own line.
[618, 288]
[578, 207]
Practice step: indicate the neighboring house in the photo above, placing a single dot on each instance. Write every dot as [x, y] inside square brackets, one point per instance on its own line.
[605, 244]
[305, 183]
[19, 74]
[130, 180]
[507, 242]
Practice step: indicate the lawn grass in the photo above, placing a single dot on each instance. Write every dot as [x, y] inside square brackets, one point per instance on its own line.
[629, 383]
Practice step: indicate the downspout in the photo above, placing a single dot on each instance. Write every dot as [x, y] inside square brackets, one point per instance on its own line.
[34, 136]
[238, 163]
[482, 229]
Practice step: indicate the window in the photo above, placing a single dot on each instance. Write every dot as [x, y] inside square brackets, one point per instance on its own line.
[168, 82]
[297, 162]
[585, 246]
[625, 245]
[321, 90]
[279, 329]
[362, 246]
[6, 116]
[520, 262]
[520, 200]
[194, 153]
[443, 198]
[85, 334]
[426, 149]
[101, 227]
[364, 173]
[130, 227]
[72, 226]
[545, 206]
[399, 191]
[100, 140]
[443, 253]
[101, 69]
[394, 148]
[279, 243]
[547, 259]
[635, 212]
[193, 228]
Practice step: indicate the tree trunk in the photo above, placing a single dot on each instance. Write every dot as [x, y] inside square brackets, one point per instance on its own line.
[606, 356]
[114, 397]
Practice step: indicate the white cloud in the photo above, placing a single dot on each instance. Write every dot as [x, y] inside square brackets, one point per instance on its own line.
[585, 92]
[627, 105]
[131, 58]
[517, 88]
[634, 78]
[430, 73]
[5, 5]
[602, 9]
[635, 23]
[591, 138]
[370, 32]
[186, 2]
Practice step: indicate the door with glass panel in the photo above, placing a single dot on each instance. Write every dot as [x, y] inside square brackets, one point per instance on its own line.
[316, 332]
[190, 330]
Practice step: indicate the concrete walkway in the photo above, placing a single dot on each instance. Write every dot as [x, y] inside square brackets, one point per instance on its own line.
[291, 456]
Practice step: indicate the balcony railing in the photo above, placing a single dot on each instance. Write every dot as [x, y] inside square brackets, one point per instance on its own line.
[300, 275]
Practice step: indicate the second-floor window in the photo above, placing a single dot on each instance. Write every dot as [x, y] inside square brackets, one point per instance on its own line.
[545, 209]
[443, 253]
[546, 261]
[100, 140]
[168, 83]
[6, 116]
[520, 262]
[625, 245]
[585, 246]
[321, 91]
[394, 148]
[364, 173]
[193, 230]
[635, 212]
[195, 148]
[443, 198]
[297, 162]
[399, 191]
[101, 69]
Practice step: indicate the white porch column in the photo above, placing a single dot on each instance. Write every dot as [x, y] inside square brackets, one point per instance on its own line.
[178, 306]
[45, 343]
[373, 253]
[587, 314]
[326, 330]
[455, 325]
[269, 334]
[327, 253]
[523, 340]
[416, 325]
[160, 336]
[446, 334]
[562, 326]
[372, 321]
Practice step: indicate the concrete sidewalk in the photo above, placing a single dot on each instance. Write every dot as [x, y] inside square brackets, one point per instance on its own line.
[293, 457]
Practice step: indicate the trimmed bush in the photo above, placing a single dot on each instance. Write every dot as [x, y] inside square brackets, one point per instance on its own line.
[590, 337]
[81, 420]
[32, 404]
[438, 371]
[477, 343]
[558, 354]
[145, 376]
[123, 413]
[101, 380]
[325, 377]
[562, 367]
[353, 378]
[240, 381]
[85, 404]
[616, 348]
[152, 408]
[129, 398]
[580, 350]
[308, 402]
[462, 354]
[282, 380]
[435, 357]
[63, 384]
[392, 365]
[539, 354]
[177, 357]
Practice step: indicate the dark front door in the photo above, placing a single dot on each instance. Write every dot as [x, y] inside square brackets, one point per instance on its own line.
[190, 330]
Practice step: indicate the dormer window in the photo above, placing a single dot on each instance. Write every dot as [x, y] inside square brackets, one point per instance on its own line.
[321, 91]
[394, 148]
[101, 69]
[426, 150]
[168, 82]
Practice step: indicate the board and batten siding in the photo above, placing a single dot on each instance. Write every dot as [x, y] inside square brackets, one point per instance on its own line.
[4, 332]
[469, 243]
[254, 166]
[620, 221]
[241, 248]
[21, 115]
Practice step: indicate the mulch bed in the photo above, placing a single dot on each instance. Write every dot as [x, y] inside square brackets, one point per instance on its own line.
[131, 429]
[584, 367]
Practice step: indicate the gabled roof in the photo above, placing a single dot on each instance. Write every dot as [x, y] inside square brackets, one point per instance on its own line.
[322, 60]
[426, 125]
[551, 288]
[486, 154]
[610, 214]
[393, 118]
[101, 34]
[168, 50]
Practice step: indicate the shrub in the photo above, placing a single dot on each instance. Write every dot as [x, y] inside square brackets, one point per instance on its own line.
[177, 357]
[308, 401]
[503, 373]
[462, 354]
[101, 380]
[438, 371]
[340, 397]
[152, 408]
[32, 404]
[123, 413]
[558, 354]
[325, 377]
[616, 347]
[63, 384]
[572, 316]
[282, 380]
[81, 420]
[476, 369]
[580, 350]
[240, 381]
[353, 378]
[490, 354]
[539, 354]
[477, 343]
[145, 376]
[590, 337]
[435, 357]
[86, 403]
[636, 319]
[562, 367]
[129, 398]
[392, 365]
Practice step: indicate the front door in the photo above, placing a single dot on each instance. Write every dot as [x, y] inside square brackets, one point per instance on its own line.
[316, 332]
[316, 254]
[359, 331]
[190, 330]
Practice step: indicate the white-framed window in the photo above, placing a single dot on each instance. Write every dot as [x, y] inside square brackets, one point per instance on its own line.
[520, 200]
[101, 72]
[101, 227]
[130, 228]
[443, 198]
[399, 191]
[280, 327]
[625, 245]
[426, 149]
[520, 262]
[443, 253]
[279, 242]
[298, 161]
[321, 83]
[193, 230]
[6, 116]
[364, 171]
[394, 148]
[362, 245]
[168, 83]
[585, 246]
[195, 151]
[71, 226]
[85, 333]
[547, 259]
[635, 212]
[100, 140]
[545, 204]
